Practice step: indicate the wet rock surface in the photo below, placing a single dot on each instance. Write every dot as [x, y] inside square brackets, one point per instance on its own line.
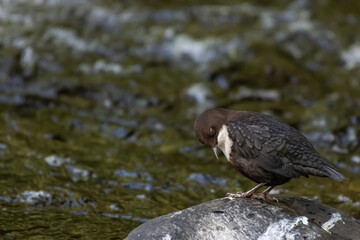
[291, 218]
[98, 101]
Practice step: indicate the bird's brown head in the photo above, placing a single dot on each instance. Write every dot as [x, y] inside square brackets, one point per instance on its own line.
[208, 124]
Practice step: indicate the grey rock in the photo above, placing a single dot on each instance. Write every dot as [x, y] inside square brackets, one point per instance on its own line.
[230, 219]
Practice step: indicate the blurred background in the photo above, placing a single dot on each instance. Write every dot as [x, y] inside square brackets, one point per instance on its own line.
[98, 100]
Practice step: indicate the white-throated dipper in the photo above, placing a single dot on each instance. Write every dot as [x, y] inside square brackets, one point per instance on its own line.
[262, 148]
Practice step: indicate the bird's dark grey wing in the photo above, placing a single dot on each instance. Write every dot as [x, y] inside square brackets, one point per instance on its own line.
[260, 144]
[277, 147]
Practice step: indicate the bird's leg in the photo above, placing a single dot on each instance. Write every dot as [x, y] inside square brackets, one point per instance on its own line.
[265, 195]
[249, 193]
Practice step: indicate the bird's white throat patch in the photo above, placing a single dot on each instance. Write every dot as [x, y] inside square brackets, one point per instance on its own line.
[224, 142]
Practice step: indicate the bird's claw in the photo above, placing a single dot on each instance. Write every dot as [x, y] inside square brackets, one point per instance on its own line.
[239, 195]
[236, 195]
[273, 199]
[265, 198]
[262, 196]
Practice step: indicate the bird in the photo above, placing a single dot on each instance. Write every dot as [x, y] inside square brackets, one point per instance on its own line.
[262, 148]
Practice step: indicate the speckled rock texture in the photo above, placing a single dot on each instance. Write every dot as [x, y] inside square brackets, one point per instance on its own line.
[230, 219]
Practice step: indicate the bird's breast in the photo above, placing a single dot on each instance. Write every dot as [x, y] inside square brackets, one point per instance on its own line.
[224, 141]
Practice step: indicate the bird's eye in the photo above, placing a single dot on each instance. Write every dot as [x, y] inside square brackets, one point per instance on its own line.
[212, 131]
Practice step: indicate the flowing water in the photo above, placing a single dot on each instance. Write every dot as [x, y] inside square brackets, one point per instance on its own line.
[98, 100]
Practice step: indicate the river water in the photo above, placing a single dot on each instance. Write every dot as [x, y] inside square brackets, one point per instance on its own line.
[98, 100]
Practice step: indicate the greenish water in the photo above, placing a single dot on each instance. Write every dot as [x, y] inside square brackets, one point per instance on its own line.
[98, 99]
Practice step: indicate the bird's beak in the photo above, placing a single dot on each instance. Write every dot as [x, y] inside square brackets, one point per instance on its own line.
[215, 151]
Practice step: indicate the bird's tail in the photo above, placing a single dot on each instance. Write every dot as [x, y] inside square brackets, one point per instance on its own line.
[332, 173]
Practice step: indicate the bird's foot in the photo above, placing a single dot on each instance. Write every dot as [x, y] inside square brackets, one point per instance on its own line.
[239, 195]
[273, 199]
[262, 196]
[265, 198]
